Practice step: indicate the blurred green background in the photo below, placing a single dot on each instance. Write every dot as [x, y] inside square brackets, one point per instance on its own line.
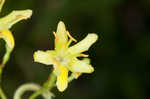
[121, 56]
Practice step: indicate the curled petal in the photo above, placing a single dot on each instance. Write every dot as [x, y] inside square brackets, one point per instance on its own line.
[62, 78]
[8, 37]
[45, 57]
[83, 45]
[61, 36]
[14, 17]
[81, 66]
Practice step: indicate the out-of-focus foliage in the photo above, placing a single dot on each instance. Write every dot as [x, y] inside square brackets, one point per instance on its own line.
[121, 57]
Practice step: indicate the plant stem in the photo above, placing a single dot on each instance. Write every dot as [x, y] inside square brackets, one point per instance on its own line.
[4, 61]
[6, 56]
[1, 4]
[29, 87]
[71, 78]
[2, 94]
[48, 85]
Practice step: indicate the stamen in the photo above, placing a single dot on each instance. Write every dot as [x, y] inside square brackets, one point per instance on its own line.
[69, 42]
[54, 33]
[83, 55]
[71, 37]
[77, 74]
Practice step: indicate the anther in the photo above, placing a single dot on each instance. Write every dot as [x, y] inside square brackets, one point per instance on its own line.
[83, 55]
[77, 74]
[54, 33]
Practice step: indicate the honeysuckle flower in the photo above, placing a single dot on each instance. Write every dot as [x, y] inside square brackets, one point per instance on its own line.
[64, 58]
[8, 21]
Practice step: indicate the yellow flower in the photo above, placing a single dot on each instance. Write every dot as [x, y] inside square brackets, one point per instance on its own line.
[8, 21]
[65, 58]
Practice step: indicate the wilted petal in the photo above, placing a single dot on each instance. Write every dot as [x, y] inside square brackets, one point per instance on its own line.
[62, 77]
[81, 66]
[45, 57]
[61, 36]
[8, 37]
[83, 45]
[14, 17]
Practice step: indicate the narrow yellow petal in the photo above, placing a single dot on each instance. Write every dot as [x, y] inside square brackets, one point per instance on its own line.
[61, 35]
[62, 78]
[14, 17]
[8, 37]
[45, 57]
[83, 45]
[81, 66]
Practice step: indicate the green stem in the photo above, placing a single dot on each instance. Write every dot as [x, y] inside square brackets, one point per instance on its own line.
[4, 61]
[1, 4]
[1, 71]
[6, 56]
[48, 85]
[2, 94]
[29, 87]
[71, 78]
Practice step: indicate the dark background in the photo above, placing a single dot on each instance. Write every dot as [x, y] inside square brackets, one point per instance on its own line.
[121, 56]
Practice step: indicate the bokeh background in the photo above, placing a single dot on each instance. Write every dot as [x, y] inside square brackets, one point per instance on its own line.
[121, 56]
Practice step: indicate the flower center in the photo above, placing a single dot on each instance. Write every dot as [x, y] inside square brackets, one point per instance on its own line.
[62, 60]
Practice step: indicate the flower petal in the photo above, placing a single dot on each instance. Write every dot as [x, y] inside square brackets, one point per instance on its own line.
[83, 45]
[45, 57]
[61, 36]
[81, 66]
[8, 37]
[62, 78]
[14, 17]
